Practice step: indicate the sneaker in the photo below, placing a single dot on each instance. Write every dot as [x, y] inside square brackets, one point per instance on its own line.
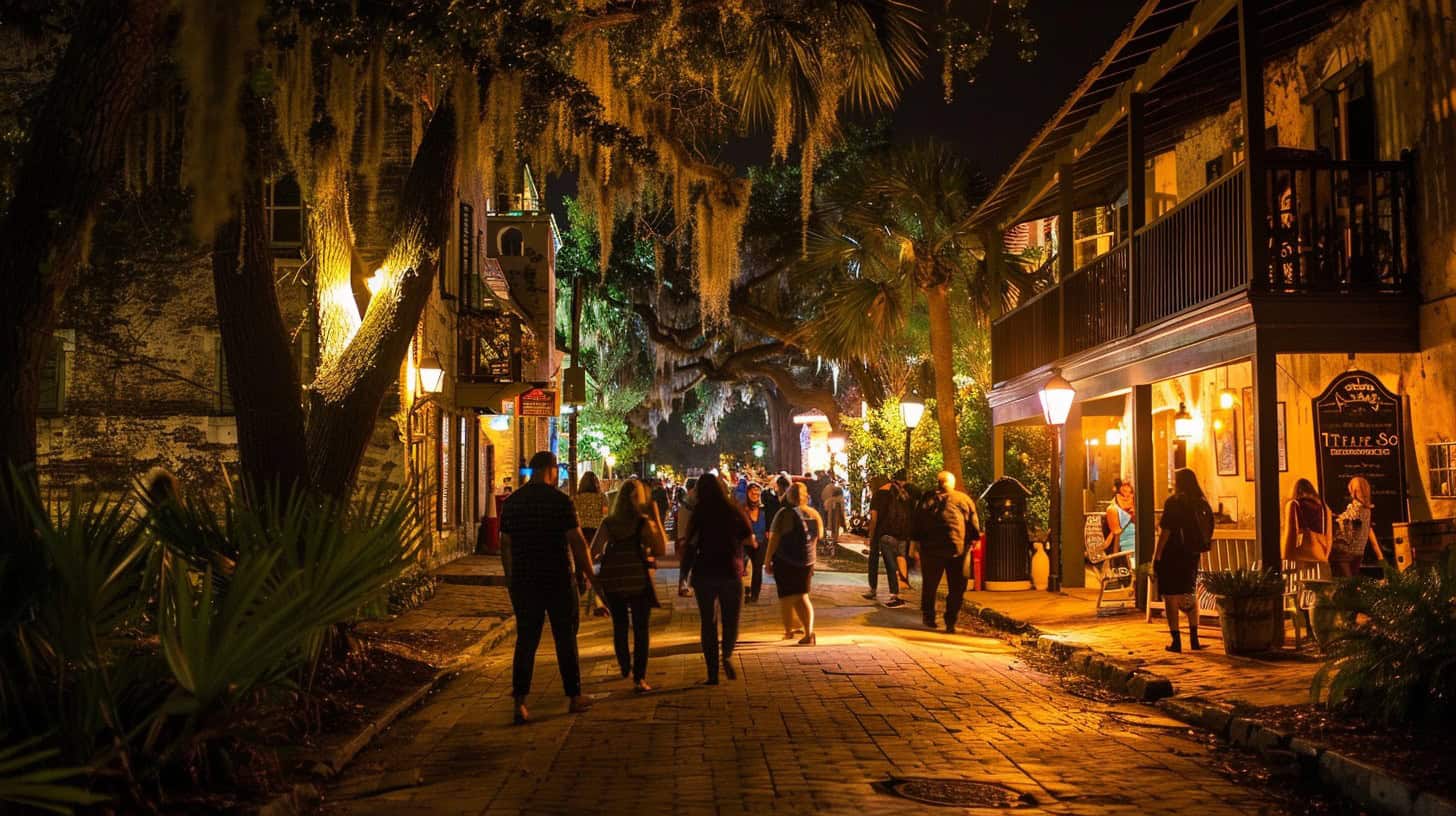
[929, 623]
[894, 603]
[869, 596]
[950, 627]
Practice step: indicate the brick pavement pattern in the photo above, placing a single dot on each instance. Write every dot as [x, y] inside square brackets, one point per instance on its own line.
[802, 729]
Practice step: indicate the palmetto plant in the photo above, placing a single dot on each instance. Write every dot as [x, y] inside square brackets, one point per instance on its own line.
[1395, 658]
[30, 778]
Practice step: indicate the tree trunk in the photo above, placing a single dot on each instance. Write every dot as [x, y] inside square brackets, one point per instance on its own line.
[942, 356]
[345, 398]
[72, 155]
[783, 433]
[262, 374]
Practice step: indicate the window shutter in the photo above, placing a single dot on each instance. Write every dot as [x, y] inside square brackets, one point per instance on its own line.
[224, 385]
[52, 371]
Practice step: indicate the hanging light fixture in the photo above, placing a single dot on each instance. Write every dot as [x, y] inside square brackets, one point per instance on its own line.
[1183, 425]
[1113, 435]
[1227, 399]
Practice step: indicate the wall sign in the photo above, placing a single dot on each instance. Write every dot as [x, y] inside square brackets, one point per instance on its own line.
[1357, 428]
[538, 402]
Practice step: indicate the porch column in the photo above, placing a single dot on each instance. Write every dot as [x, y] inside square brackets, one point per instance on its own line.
[1137, 202]
[1074, 483]
[1266, 454]
[1145, 498]
[1256, 181]
[1066, 235]
[998, 451]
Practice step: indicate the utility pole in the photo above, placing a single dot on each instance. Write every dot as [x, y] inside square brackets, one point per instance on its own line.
[575, 363]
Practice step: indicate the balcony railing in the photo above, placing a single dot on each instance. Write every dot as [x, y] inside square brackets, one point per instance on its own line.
[1340, 228]
[491, 348]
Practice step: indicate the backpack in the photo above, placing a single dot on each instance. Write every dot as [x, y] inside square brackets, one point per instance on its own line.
[1203, 517]
[623, 569]
[930, 514]
[794, 545]
[898, 512]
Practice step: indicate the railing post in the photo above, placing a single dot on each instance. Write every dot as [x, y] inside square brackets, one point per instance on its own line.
[1145, 491]
[1256, 180]
[1066, 237]
[1137, 202]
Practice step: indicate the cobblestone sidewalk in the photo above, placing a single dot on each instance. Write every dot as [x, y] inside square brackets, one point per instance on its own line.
[803, 730]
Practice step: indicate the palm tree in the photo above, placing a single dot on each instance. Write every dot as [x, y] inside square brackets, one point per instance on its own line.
[894, 233]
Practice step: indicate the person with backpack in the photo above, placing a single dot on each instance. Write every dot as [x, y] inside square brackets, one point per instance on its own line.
[792, 538]
[946, 527]
[891, 511]
[630, 540]
[712, 562]
[1185, 533]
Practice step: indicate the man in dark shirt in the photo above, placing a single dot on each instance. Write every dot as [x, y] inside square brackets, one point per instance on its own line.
[947, 529]
[541, 536]
[891, 510]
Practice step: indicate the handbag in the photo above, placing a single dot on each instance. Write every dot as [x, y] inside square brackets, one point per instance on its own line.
[1308, 545]
[624, 569]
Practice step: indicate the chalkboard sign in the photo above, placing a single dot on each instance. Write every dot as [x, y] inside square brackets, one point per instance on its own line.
[1357, 432]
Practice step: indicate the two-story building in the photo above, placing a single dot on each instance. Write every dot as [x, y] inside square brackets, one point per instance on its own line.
[1254, 270]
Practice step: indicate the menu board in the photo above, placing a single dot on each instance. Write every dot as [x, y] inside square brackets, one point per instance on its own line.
[1357, 432]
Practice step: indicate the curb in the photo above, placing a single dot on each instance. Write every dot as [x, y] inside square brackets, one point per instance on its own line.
[1366, 785]
[302, 797]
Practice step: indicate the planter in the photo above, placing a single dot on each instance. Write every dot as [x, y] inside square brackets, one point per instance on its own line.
[1251, 625]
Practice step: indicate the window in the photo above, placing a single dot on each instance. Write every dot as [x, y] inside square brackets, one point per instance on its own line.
[55, 373]
[283, 207]
[512, 242]
[1344, 114]
[443, 473]
[469, 287]
[1441, 461]
[462, 469]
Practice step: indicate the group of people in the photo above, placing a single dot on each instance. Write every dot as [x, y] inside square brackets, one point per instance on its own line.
[1311, 533]
[551, 543]
[940, 528]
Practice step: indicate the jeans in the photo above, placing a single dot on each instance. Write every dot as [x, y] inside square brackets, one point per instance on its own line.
[888, 548]
[728, 597]
[755, 569]
[953, 567]
[640, 608]
[533, 603]
[834, 518]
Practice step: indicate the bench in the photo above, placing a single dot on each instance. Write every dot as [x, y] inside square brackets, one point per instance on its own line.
[1231, 550]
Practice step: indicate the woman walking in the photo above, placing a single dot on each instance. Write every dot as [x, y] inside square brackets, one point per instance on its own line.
[1307, 526]
[792, 537]
[630, 541]
[591, 505]
[1353, 532]
[716, 537]
[1176, 554]
[758, 522]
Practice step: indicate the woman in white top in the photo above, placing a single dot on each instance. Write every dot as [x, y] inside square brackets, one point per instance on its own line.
[1353, 531]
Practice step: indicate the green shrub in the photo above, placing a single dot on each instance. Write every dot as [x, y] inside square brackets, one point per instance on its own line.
[30, 778]
[1394, 660]
[1242, 583]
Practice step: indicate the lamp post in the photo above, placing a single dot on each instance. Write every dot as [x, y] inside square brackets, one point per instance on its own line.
[1056, 402]
[911, 412]
[837, 442]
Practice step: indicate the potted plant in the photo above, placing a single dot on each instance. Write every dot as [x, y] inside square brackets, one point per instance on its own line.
[1250, 609]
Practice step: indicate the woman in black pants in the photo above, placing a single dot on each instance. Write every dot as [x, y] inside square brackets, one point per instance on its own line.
[713, 564]
[758, 521]
[633, 526]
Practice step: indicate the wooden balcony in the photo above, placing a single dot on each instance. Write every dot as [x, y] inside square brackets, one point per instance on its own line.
[1339, 233]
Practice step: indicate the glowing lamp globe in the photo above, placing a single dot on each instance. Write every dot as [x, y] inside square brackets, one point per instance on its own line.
[1227, 399]
[1184, 426]
[432, 374]
[1056, 400]
[1113, 436]
[911, 412]
[837, 441]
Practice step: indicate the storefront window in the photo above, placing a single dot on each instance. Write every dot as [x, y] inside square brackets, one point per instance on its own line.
[1442, 459]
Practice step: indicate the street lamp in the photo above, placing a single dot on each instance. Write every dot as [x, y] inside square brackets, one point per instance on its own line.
[1056, 402]
[837, 442]
[911, 412]
[611, 460]
[432, 374]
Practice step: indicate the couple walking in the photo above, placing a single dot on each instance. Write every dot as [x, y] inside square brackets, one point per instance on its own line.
[944, 529]
[542, 543]
[717, 540]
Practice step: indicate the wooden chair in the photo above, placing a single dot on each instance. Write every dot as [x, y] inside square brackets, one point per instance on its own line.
[1114, 571]
[1298, 599]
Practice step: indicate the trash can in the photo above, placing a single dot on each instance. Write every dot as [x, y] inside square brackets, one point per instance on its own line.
[1008, 543]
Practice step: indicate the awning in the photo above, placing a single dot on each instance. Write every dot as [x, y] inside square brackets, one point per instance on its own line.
[488, 396]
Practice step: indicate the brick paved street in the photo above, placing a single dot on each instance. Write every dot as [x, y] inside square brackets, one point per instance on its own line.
[803, 729]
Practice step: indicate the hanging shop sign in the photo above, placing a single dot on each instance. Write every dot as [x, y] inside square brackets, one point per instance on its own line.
[1357, 432]
[538, 402]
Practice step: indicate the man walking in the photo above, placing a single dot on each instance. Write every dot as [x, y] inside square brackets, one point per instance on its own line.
[891, 512]
[946, 527]
[539, 531]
